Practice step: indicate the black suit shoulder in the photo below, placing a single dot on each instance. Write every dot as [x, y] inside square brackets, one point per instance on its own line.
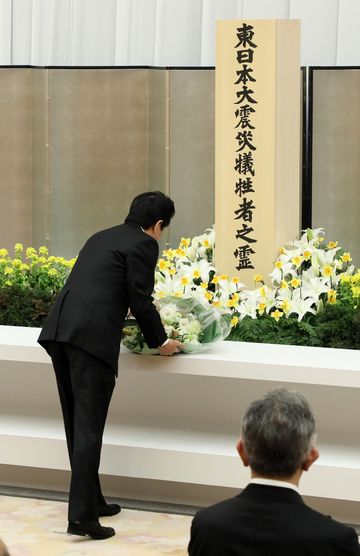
[266, 522]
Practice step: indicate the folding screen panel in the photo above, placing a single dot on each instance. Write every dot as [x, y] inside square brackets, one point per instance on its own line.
[192, 150]
[15, 157]
[98, 150]
[335, 120]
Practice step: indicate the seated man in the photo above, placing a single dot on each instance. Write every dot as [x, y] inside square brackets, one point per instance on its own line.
[269, 517]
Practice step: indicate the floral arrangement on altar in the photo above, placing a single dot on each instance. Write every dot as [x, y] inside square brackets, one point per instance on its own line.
[312, 296]
[29, 282]
[195, 304]
[191, 322]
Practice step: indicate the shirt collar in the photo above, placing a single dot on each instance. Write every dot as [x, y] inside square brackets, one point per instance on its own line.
[273, 482]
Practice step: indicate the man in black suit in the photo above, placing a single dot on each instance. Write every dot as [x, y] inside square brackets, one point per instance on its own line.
[114, 272]
[269, 517]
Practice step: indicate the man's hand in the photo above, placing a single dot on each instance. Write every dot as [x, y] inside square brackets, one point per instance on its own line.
[171, 347]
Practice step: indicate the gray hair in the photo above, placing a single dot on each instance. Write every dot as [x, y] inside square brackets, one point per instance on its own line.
[278, 432]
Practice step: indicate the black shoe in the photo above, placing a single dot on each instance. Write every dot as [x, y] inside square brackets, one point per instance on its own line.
[106, 510]
[91, 528]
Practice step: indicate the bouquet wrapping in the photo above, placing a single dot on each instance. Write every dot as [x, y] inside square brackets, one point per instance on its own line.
[197, 325]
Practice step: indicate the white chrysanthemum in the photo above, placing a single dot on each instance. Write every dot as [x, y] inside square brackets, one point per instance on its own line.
[169, 313]
[189, 328]
[170, 330]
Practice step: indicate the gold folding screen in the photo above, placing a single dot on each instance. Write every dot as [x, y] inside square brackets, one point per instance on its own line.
[335, 155]
[15, 156]
[76, 145]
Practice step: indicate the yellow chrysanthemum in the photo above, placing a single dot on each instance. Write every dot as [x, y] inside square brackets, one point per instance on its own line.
[43, 250]
[18, 248]
[346, 258]
[297, 261]
[16, 263]
[331, 295]
[327, 270]
[8, 270]
[30, 252]
[295, 282]
[277, 315]
[162, 264]
[332, 244]
[4, 253]
[356, 291]
[24, 266]
[185, 242]
[286, 306]
[234, 321]
[53, 272]
[262, 291]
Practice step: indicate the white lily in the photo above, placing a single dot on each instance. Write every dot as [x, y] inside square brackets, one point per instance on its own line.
[302, 306]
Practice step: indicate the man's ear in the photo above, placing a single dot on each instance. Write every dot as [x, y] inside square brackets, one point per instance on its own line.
[158, 226]
[242, 452]
[312, 457]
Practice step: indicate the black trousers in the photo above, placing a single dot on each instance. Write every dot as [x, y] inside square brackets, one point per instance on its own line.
[85, 386]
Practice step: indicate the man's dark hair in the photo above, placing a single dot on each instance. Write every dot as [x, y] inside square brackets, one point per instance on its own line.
[278, 431]
[150, 207]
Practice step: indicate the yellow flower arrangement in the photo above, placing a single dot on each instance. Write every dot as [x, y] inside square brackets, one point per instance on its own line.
[33, 269]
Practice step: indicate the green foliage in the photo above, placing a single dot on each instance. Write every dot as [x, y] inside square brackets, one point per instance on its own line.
[24, 306]
[266, 330]
[29, 282]
[338, 326]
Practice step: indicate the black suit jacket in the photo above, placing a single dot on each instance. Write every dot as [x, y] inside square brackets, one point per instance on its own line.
[114, 272]
[268, 521]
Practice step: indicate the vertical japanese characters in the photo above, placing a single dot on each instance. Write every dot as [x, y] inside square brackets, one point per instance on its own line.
[245, 136]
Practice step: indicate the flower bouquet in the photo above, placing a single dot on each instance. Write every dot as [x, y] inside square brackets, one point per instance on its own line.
[188, 320]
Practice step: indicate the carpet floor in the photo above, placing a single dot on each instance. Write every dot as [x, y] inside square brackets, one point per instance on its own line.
[32, 527]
